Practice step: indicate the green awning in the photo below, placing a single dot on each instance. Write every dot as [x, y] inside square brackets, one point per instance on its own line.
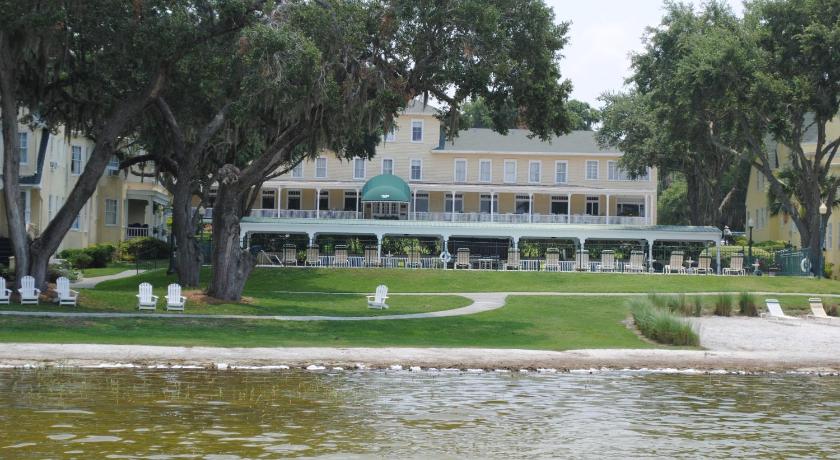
[386, 187]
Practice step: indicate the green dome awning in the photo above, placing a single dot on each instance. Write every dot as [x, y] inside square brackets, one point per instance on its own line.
[386, 187]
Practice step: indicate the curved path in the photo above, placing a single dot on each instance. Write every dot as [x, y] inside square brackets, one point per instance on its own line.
[481, 302]
[87, 283]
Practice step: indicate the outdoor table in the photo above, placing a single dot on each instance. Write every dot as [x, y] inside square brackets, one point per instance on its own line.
[690, 263]
[486, 263]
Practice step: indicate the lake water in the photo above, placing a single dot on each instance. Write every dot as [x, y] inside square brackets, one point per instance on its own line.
[162, 414]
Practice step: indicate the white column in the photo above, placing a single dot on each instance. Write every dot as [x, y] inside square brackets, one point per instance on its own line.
[445, 248]
[379, 246]
[453, 206]
[149, 219]
[357, 203]
[279, 200]
[414, 204]
[492, 206]
[650, 255]
[530, 207]
[717, 245]
[317, 202]
[607, 220]
[569, 208]
[516, 242]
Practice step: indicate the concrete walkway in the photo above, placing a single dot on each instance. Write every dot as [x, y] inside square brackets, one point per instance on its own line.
[87, 283]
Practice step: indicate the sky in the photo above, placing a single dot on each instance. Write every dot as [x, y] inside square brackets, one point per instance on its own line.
[602, 36]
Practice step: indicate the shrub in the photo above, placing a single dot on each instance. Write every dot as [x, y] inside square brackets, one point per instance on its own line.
[95, 256]
[80, 260]
[697, 307]
[55, 271]
[747, 305]
[144, 248]
[662, 326]
[723, 305]
[679, 304]
[832, 310]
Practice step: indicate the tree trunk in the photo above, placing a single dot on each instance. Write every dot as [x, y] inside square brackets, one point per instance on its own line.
[188, 256]
[695, 209]
[231, 263]
[11, 161]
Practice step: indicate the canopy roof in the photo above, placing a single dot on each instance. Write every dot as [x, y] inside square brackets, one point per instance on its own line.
[386, 187]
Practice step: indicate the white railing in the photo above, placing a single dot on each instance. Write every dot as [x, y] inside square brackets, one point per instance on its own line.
[136, 232]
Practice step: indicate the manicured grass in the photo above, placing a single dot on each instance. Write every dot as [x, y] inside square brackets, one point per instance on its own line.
[120, 266]
[551, 323]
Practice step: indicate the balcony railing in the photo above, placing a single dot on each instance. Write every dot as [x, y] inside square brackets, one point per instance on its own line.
[506, 218]
[136, 232]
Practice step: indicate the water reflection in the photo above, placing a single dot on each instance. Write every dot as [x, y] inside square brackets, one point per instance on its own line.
[162, 414]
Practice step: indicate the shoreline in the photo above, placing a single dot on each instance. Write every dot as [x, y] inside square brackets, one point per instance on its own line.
[21, 355]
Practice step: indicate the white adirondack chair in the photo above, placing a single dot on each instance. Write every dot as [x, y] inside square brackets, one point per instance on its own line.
[637, 262]
[552, 260]
[818, 312]
[607, 261]
[736, 266]
[704, 265]
[174, 299]
[28, 292]
[675, 264]
[66, 296]
[145, 299]
[378, 300]
[582, 261]
[5, 294]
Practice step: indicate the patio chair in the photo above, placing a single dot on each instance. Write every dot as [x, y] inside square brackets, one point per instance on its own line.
[289, 255]
[377, 300]
[818, 312]
[582, 261]
[372, 257]
[704, 265]
[413, 258]
[28, 292]
[774, 311]
[145, 299]
[462, 258]
[637, 262]
[66, 296]
[607, 261]
[313, 256]
[268, 258]
[5, 294]
[513, 262]
[675, 264]
[736, 266]
[341, 259]
[552, 260]
[174, 299]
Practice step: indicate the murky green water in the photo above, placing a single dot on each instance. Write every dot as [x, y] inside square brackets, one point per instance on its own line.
[162, 414]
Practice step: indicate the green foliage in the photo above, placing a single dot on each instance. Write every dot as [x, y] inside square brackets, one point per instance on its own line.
[532, 250]
[96, 256]
[661, 325]
[66, 270]
[747, 304]
[697, 306]
[673, 204]
[398, 245]
[723, 305]
[583, 116]
[143, 248]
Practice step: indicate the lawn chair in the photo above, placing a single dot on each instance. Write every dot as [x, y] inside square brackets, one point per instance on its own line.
[378, 300]
[462, 258]
[66, 296]
[372, 257]
[675, 264]
[774, 311]
[582, 261]
[145, 299]
[341, 259]
[289, 255]
[174, 299]
[607, 261]
[736, 266]
[637, 262]
[313, 256]
[704, 265]
[513, 262]
[818, 312]
[28, 292]
[552, 260]
[268, 258]
[5, 294]
[413, 258]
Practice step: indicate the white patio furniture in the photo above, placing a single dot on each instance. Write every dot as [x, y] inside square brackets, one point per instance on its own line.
[818, 312]
[66, 296]
[637, 262]
[413, 258]
[174, 299]
[607, 261]
[5, 294]
[313, 256]
[378, 299]
[704, 265]
[372, 257]
[736, 266]
[28, 292]
[774, 311]
[513, 262]
[582, 261]
[289, 255]
[462, 258]
[552, 260]
[145, 299]
[341, 259]
[675, 263]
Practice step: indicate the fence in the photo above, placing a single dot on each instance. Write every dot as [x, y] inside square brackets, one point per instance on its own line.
[793, 262]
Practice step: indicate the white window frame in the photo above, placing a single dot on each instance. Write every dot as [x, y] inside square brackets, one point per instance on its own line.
[76, 171]
[321, 194]
[411, 169]
[23, 147]
[422, 131]
[298, 194]
[422, 197]
[364, 168]
[505, 172]
[489, 164]
[448, 200]
[492, 198]
[455, 170]
[318, 168]
[559, 199]
[297, 171]
[596, 200]
[26, 194]
[116, 212]
[391, 136]
[565, 164]
[382, 166]
[531, 163]
[264, 194]
[597, 170]
[79, 220]
[113, 168]
[519, 199]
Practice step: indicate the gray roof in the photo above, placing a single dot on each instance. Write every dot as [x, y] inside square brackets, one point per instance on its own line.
[416, 107]
[517, 140]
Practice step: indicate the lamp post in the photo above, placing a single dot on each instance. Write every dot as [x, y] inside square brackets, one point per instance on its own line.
[750, 225]
[821, 263]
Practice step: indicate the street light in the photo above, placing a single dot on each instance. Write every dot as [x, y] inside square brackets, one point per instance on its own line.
[821, 263]
[750, 225]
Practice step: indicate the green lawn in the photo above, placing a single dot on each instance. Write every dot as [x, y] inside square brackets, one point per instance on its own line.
[120, 266]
